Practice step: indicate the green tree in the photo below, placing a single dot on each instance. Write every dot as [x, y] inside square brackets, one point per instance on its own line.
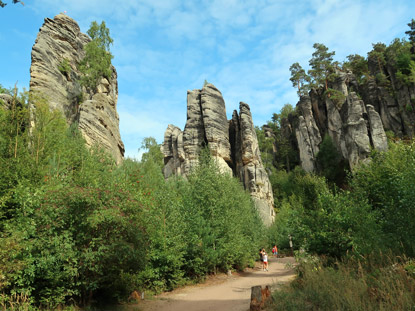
[358, 65]
[153, 151]
[322, 65]
[411, 34]
[330, 162]
[299, 78]
[96, 63]
[285, 111]
[386, 183]
[276, 149]
[286, 155]
[378, 53]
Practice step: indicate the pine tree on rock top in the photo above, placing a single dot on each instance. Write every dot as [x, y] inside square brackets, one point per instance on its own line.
[322, 65]
[411, 34]
[300, 79]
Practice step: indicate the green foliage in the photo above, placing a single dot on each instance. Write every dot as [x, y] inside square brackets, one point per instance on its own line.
[382, 79]
[378, 54]
[358, 65]
[275, 146]
[318, 220]
[153, 151]
[96, 63]
[64, 67]
[376, 214]
[386, 183]
[329, 162]
[299, 78]
[223, 226]
[403, 62]
[266, 146]
[75, 228]
[411, 34]
[322, 66]
[336, 96]
[3, 90]
[286, 110]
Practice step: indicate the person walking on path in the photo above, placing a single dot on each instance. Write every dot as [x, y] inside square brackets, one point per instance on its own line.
[275, 250]
[264, 261]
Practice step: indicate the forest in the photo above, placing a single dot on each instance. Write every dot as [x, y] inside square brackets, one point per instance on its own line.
[77, 229]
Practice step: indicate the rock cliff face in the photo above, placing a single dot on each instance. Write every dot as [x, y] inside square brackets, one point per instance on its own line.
[233, 144]
[354, 125]
[357, 110]
[60, 43]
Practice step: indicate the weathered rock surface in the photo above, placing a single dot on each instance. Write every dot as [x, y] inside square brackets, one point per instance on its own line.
[307, 134]
[232, 143]
[356, 131]
[60, 41]
[248, 164]
[355, 125]
[6, 101]
[172, 148]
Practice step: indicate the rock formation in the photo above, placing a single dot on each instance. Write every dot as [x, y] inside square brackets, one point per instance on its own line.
[248, 164]
[357, 109]
[233, 144]
[59, 44]
[354, 125]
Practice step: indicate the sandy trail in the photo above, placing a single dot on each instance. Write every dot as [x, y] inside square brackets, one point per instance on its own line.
[223, 293]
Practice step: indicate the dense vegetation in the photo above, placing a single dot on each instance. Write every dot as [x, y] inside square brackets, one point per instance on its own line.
[75, 228]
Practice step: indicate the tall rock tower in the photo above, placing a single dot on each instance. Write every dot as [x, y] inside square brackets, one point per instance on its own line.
[55, 77]
[233, 144]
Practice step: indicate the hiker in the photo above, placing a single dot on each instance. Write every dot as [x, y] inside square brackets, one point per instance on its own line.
[264, 261]
[261, 251]
[275, 250]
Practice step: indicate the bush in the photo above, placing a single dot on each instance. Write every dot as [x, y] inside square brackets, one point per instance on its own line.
[222, 224]
[387, 184]
[321, 221]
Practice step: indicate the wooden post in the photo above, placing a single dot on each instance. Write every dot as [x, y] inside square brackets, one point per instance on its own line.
[258, 297]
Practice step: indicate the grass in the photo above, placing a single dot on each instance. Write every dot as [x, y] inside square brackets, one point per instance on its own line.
[376, 282]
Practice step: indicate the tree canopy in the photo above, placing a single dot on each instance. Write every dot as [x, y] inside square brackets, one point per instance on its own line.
[322, 65]
[97, 61]
[299, 78]
[411, 34]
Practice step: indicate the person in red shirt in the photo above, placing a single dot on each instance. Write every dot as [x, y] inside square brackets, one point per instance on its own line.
[275, 250]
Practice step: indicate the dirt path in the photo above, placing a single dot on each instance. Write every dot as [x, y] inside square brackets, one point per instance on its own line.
[231, 293]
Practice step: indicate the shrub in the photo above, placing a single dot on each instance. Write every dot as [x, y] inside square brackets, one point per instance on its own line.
[64, 67]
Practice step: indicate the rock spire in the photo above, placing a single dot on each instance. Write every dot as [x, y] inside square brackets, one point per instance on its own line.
[55, 77]
[233, 144]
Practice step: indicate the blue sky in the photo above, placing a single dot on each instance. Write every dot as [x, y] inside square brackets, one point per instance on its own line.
[162, 48]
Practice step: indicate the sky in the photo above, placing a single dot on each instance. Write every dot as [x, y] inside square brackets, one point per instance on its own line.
[162, 48]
